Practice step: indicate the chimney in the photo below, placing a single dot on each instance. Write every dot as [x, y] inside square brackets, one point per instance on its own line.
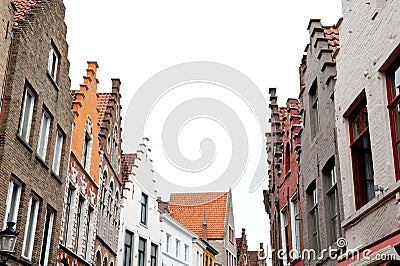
[204, 227]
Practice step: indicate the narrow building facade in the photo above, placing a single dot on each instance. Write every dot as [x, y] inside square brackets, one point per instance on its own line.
[35, 128]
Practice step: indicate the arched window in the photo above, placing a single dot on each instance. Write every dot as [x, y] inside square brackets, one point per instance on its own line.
[114, 147]
[98, 259]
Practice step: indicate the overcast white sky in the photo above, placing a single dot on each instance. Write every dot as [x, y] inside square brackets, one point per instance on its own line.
[133, 40]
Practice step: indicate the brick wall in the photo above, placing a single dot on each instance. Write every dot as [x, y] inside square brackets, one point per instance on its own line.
[369, 39]
[33, 37]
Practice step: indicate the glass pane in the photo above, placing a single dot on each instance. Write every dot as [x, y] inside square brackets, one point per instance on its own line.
[14, 202]
[26, 116]
[397, 82]
[333, 205]
[356, 126]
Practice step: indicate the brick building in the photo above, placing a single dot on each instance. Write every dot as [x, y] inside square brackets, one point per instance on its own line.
[210, 210]
[282, 200]
[246, 257]
[367, 120]
[78, 227]
[7, 9]
[319, 163]
[35, 129]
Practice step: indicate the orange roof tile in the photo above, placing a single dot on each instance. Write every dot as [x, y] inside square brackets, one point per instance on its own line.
[189, 208]
[22, 7]
[332, 34]
[102, 102]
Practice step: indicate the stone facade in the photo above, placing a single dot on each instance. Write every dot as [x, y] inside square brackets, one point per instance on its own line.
[370, 48]
[36, 110]
[282, 199]
[319, 161]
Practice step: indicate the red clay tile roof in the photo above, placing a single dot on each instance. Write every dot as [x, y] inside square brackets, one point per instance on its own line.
[22, 7]
[188, 209]
[332, 34]
[102, 102]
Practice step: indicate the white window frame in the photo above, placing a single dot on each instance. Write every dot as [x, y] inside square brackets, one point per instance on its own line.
[186, 252]
[33, 229]
[294, 201]
[168, 246]
[58, 146]
[177, 248]
[47, 237]
[283, 211]
[52, 66]
[43, 133]
[29, 116]
[14, 214]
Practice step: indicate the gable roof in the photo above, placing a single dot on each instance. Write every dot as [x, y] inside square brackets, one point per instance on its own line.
[189, 208]
[22, 7]
[332, 34]
[102, 102]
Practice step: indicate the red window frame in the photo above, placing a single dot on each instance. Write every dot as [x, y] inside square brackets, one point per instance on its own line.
[360, 177]
[393, 103]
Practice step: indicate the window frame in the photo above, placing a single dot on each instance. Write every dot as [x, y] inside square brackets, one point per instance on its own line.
[361, 195]
[332, 194]
[86, 151]
[315, 126]
[26, 137]
[177, 248]
[43, 136]
[32, 223]
[53, 65]
[47, 237]
[295, 225]
[58, 150]
[143, 209]
[142, 252]
[126, 246]
[284, 212]
[314, 216]
[153, 257]
[186, 248]
[393, 103]
[168, 244]
[79, 217]
[10, 195]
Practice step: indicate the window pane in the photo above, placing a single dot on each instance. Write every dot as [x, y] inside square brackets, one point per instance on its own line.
[57, 153]
[396, 82]
[43, 135]
[26, 116]
[47, 238]
[30, 227]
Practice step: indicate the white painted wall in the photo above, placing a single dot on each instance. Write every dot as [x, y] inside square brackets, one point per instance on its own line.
[176, 231]
[140, 181]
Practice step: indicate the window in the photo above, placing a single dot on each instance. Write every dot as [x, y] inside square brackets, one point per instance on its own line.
[295, 226]
[178, 248]
[333, 200]
[114, 147]
[43, 135]
[128, 248]
[57, 153]
[143, 209]
[168, 242]
[142, 252]
[67, 214]
[360, 145]
[314, 109]
[186, 252]
[86, 151]
[88, 238]
[12, 203]
[153, 255]
[231, 234]
[287, 158]
[26, 115]
[48, 227]
[393, 86]
[30, 227]
[78, 224]
[285, 235]
[313, 214]
[52, 66]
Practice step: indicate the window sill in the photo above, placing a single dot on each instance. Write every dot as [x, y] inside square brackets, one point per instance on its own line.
[144, 225]
[371, 205]
[42, 161]
[52, 81]
[26, 144]
[26, 261]
[56, 177]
